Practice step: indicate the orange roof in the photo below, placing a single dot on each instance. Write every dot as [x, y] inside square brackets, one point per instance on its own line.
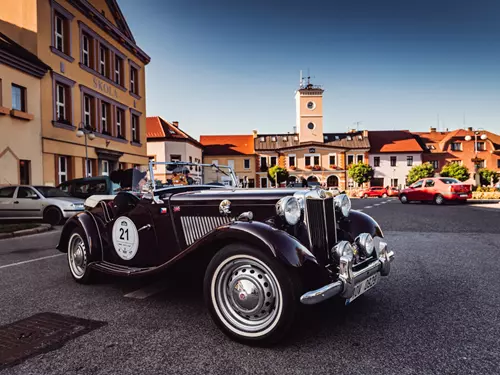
[154, 128]
[228, 144]
[393, 141]
[158, 129]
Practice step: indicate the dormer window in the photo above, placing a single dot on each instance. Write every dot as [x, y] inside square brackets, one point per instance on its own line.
[273, 139]
[325, 138]
[337, 137]
[456, 146]
[360, 137]
[431, 147]
[349, 138]
[262, 139]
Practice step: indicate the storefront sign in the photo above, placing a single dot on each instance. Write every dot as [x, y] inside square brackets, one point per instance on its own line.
[105, 88]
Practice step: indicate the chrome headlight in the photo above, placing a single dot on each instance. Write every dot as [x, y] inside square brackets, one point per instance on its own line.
[365, 243]
[343, 249]
[343, 203]
[289, 209]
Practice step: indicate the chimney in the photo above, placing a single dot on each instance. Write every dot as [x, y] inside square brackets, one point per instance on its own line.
[365, 133]
[294, 129]
[175, 123]
[469, 128]
[433, 130]
[254, 133]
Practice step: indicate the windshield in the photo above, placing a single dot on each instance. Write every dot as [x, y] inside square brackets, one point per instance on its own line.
[52, 192]
[179, 173]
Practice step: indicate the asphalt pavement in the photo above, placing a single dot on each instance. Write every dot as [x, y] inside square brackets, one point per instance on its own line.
[438, 312]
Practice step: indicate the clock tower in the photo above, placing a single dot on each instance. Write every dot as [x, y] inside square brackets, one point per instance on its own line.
[309, 107]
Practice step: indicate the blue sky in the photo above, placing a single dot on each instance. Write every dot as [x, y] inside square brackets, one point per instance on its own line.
[230, 66]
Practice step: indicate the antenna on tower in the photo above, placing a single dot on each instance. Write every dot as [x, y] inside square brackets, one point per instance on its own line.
[301, 81]
[308, 77]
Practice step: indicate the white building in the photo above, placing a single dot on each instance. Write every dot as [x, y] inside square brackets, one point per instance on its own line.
[167, 142]
[392, 154]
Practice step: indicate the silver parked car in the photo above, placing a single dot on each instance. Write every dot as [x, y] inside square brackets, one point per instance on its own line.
[21, 202]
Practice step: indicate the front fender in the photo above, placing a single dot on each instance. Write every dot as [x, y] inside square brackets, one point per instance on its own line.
[357, 223]
[86, 221]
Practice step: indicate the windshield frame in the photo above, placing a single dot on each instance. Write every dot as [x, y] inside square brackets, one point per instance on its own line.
[223, 168]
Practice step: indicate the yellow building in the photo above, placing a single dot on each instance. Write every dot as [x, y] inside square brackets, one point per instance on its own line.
[20, 114]
[97, 83]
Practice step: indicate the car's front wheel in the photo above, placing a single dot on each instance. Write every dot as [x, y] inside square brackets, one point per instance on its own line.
[250, 295]
[52, 215]
[78, 257]
[404, 198]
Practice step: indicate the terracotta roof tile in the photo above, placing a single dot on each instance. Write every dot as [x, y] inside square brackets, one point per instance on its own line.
[158, 129]
[154, 128]
[393, 141]
[267, 142]
[228, 144]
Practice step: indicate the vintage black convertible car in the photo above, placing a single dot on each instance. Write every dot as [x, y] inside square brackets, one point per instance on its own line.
[268, 250]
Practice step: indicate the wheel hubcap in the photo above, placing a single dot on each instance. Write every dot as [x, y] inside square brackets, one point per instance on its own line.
[247, 294]
[76, 255]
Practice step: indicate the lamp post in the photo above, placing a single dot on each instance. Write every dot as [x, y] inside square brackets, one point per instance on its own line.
[476, 160]
[85, 131]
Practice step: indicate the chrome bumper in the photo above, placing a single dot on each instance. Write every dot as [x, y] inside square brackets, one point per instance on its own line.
[348, 278]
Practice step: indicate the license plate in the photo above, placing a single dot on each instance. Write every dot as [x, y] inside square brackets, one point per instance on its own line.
[464, 195]
[364, 286]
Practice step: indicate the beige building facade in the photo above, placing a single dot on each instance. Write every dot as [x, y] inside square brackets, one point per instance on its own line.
[97, 84]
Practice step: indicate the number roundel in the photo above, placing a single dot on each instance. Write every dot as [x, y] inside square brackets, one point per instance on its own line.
[125, 238]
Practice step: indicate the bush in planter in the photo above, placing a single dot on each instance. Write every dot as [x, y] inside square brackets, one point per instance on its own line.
[292, 167]
[309, 167]
[317, 168]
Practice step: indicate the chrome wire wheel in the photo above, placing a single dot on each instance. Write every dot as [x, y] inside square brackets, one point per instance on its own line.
[77, 256]
[246, 296]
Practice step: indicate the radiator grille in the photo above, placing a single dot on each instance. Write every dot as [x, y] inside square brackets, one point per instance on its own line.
[321, 225]
[195, 227]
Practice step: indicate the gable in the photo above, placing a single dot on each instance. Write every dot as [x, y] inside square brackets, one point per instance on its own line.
[113, 14]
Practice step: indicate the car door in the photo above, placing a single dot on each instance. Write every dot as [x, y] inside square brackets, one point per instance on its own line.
[28, 204]
[428, 190]
[415, 193]
[7, 201]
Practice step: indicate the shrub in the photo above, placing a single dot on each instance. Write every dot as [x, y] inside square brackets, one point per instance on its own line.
[420, 171]
[453, 170]
[360, 172]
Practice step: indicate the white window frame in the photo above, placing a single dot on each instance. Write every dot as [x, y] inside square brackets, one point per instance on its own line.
[244, 163]
[104, 167]
[102, 60]
[118, 65]
[87, 112]
[347, 159]
[482, 164]
[62, 173]
[85, 50]
[312, 156]
[104, 118]
[60, 102]
[362, 158]
[119, 119]
[334, 154]
[133, 127]
[133, 77]
[292, 156]
[59, 35]
[267, 181]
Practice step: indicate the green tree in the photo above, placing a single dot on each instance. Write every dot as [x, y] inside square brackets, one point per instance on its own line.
[277, 174]
[360, 172]
[485, 176]
[454, 170]
[419, 171]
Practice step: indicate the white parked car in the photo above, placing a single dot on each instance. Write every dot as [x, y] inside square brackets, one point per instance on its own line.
[22, 202]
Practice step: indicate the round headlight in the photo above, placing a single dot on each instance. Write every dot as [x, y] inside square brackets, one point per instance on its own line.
[343, 249]
[343, 203]
[365, 243]
[288, 208]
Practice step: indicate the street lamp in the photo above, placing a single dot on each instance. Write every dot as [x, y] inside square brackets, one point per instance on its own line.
[85, 131]
[476, 160]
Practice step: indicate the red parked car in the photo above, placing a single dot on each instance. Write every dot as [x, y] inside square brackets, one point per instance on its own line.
[437, 190]
[374, 191]
[393, 192]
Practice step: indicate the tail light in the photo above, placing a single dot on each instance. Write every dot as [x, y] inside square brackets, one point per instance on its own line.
[451, 188]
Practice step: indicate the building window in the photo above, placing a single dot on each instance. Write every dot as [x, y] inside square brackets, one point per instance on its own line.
[393, 161]
[134, 80]
[498, 163]
[89, 168]
[350, 159]
[24, 172]
[376, 161]
[103, 60]
[394, 182]
[105, 118]
[291, 160]
[85, 50]
[105, 168]
[481, 146]
[263, 162]
[214, 162]
[332, 159]
[118, 70]
[87, 110]
[176, 158]
[409, 161]
[119, 123]
[62, 170]
[307, 161]
[246, 163]
[263, 182]
[272, 161]
[360, 158]
[435, 164]
[59, 33]
[18, 98]
[482, 164]
[61, 112]
[316, 160]
[134, 127]
[456, 146]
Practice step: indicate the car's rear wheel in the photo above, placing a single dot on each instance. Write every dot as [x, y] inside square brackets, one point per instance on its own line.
[78, 257]
[52, 215]
[439, 199]
[250, 295]
[365, 196]
[404, 199]
[384, 195]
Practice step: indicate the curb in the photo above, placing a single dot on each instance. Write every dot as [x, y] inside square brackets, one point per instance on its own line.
[482, 201]
[25, 232]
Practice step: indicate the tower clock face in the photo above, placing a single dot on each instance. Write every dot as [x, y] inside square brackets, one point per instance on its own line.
[311, 105]
[311, 126]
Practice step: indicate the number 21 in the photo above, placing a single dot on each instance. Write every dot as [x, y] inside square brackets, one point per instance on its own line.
[123, 232]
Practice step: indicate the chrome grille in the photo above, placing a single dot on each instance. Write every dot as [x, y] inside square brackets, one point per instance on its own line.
[195, 227]
[320, 215]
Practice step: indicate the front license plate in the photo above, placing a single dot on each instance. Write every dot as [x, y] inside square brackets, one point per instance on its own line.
[364, 286]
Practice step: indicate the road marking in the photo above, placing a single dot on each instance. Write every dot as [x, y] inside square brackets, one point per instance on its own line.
[376, 204]
[31, 260]
[368, 207]
[149, 290]
[360, 210]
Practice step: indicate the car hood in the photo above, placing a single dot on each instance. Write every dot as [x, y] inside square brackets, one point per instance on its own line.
[269, 194]
[66, 200]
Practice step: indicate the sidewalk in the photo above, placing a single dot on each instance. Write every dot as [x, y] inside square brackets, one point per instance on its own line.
[12, 230]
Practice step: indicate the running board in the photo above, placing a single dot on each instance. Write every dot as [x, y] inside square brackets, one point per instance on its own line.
[117, 269]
